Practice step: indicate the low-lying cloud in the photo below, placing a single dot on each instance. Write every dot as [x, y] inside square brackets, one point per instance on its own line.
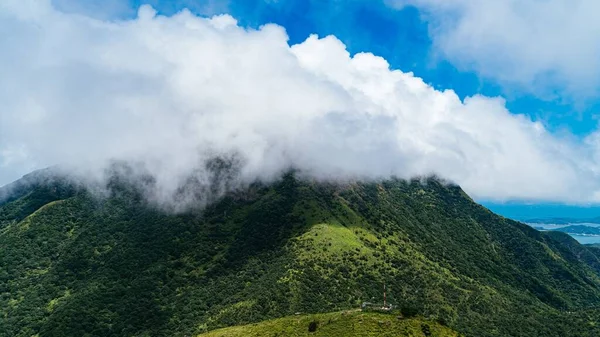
[174, 92]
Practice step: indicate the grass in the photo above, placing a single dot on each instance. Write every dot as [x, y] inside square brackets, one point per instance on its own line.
[334, 238]
[344, 323]
[24, 224]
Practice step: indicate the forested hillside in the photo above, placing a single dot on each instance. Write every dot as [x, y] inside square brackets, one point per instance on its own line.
[73, 263]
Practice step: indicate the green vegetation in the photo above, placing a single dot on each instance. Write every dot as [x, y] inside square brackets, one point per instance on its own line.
[72, 264]
[348, 323]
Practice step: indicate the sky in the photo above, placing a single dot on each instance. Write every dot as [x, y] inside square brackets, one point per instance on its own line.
[499, 97]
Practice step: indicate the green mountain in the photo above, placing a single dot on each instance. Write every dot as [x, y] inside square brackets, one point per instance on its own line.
[76, 264]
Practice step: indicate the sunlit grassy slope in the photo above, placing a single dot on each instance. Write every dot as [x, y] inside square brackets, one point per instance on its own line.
[347, 323]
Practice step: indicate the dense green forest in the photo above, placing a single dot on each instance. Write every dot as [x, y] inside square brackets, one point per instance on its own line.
[73, 263]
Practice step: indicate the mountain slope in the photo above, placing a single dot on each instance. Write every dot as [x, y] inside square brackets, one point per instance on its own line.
[71, 263]
[338, 324]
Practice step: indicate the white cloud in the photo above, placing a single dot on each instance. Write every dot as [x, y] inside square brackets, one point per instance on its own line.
[172, 91]
[538, 45]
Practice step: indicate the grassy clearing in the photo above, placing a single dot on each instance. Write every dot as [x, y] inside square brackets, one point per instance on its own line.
[345, 323]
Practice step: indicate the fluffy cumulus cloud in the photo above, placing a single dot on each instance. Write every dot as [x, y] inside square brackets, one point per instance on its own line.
[173, 92]
[538, 45]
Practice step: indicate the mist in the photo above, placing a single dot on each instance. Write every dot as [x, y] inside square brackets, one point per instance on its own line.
[168, 95]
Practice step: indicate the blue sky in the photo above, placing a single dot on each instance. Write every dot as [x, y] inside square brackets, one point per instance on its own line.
[425, 37]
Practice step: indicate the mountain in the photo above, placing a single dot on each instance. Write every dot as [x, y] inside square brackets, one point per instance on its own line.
[73, 263]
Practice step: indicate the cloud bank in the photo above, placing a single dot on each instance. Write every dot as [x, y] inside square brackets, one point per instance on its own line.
[537, 45]
[173, 92]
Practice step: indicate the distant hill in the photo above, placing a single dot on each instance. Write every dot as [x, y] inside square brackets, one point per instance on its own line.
[72, 264]
[579, 229]
[351, 323]
[563, 221]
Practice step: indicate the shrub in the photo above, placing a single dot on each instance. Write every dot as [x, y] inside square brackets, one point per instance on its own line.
[312, 326]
